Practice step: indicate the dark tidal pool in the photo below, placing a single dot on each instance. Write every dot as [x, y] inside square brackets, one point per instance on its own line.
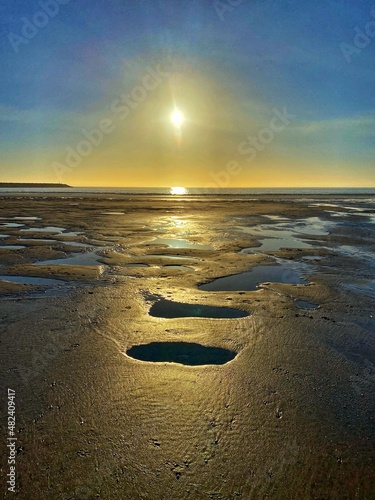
[249, 280]
[168, 309]
[184, 353]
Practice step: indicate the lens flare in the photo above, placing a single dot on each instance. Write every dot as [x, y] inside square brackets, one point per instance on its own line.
[177, 118]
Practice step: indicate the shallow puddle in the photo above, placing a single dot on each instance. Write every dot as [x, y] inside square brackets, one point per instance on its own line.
[12, 247]
[27, 280]
[178, 268]
[250, 280]
[75, 244]
[71, 234]
[172, 257]
[27, 218]
[305, 304]
[47, 229]
[135, 264]
[169, 309]
[273, 243]
[277, 218]
[356, 209]
[368, 218]
[112, 213]
[177, 243]
[11, 224]
[332, 213]
[184, 353]
[20, 218]
[313, 226]
[54, 242]
[51, 229]
[367, 288]
[285, 234]
[35, 240]
[81, 259]
[358, 253]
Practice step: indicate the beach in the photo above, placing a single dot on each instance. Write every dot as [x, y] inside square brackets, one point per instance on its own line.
[284, 409]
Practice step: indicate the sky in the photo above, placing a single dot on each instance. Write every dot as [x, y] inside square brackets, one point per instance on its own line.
[269, 93]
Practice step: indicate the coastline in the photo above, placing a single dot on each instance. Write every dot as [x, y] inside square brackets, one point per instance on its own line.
[32, 185]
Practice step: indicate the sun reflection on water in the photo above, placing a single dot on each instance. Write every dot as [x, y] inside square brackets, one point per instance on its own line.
[178, 190]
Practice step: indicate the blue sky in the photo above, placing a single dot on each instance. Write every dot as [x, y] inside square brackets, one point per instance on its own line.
[227, 74]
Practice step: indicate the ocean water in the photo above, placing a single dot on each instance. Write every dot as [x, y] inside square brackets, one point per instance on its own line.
[199, 191]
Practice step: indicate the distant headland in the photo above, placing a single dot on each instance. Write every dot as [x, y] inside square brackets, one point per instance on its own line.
[32, 185]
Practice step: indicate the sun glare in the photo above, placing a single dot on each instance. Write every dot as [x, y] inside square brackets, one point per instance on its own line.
[178, 190]
[177, 118]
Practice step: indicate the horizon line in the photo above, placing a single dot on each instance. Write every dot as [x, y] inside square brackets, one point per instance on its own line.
[190, 187]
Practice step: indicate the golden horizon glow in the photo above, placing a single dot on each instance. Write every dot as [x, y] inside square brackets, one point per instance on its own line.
[178, 190]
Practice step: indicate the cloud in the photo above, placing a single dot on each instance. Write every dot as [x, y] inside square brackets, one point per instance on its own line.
[360, 125]
[54, 118]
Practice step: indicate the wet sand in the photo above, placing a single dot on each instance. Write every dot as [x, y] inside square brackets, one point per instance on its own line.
[291, 416]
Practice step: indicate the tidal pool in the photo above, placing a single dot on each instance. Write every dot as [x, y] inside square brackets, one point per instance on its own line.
[184, 353]
[54, 242]
[135, 264]
[20, 218]
[250, 280]
[179, 268]
[113, 213]
[47, 229]
[178, 243]
[290, 234]
[75, 244]
[367, 287]
[367, 254]
[305, 304]
[273, 239]
[50, 229]
[80, 259]
[168, 309]
[313, 226]
[369, 218]
[28, 280]
[277, 218]
[11, 224]
[35, 240]
[172, 257]
[27, 218]
[12, 247]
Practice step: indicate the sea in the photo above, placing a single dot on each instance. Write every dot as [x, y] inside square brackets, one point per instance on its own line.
[242, 192]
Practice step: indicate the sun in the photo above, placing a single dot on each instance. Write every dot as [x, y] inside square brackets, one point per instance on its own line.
[178, 190]
[177, 118]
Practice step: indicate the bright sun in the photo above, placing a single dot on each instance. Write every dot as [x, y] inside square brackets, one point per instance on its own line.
[177, 118]
[178, 190]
